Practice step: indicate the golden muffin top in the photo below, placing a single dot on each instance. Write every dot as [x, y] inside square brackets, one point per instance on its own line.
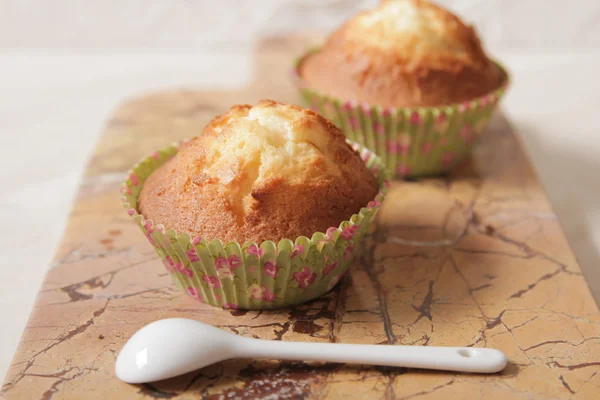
[265, 143]
[262, 172]
[404, 53]
[415, 31]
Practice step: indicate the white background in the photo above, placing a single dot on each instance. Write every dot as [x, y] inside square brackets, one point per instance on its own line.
[65, 64]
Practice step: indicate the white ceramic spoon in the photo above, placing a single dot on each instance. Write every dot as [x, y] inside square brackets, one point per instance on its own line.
[171, 347]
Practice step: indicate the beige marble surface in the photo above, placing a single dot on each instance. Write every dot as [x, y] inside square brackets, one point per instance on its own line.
[474, 259]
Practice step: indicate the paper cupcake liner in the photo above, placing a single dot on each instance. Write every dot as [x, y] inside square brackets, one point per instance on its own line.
[251, 275]
[411, 141]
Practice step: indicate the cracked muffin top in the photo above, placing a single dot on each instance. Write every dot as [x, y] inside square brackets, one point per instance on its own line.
[263, 172]
[404, 53]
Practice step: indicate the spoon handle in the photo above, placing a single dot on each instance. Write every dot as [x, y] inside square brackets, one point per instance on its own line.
[464, 359]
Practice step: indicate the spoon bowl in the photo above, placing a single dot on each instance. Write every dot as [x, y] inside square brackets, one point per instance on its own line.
[172, 347]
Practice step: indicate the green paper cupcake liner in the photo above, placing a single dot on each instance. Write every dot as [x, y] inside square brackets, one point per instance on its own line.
[411, 141]
[252, 275]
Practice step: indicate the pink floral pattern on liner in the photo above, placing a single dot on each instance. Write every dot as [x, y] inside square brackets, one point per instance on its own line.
[155, 155]
[231, 263]
[255, 251]
[404, 143]
[348, 232]
[415, 118]
[485, 100]
[447, 159]
[348, 106]
[392, 147]
[426, 147]
[172, 267]
[353, 122]
[462, 107]
[402, 170]
[378, 128]
[133, 179]
[230, 306]
[255, 291]
[169, 264]
[328, 237]
[298, 248]
[224, 273]
[225, 266]
[270, 269]
[268, 296]
[213, 281]
[441, 124]
[260, 293]
[365, 155]
[193, 293]
[304, 277]
[196, 241]
[329, 268]
[373, 204]
[149, 229]
[400, 145]
[329, 232]
[348, 251]
[192, 255]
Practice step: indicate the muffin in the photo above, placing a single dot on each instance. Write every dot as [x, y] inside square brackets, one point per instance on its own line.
[407, 79]
[263, 209]
[405, 53]
[260, 173]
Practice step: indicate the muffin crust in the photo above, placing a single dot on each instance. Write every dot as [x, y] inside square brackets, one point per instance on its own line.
[404, 53]
[266, 172]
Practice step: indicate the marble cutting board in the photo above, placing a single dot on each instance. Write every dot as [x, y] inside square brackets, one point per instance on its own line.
[477, 258]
